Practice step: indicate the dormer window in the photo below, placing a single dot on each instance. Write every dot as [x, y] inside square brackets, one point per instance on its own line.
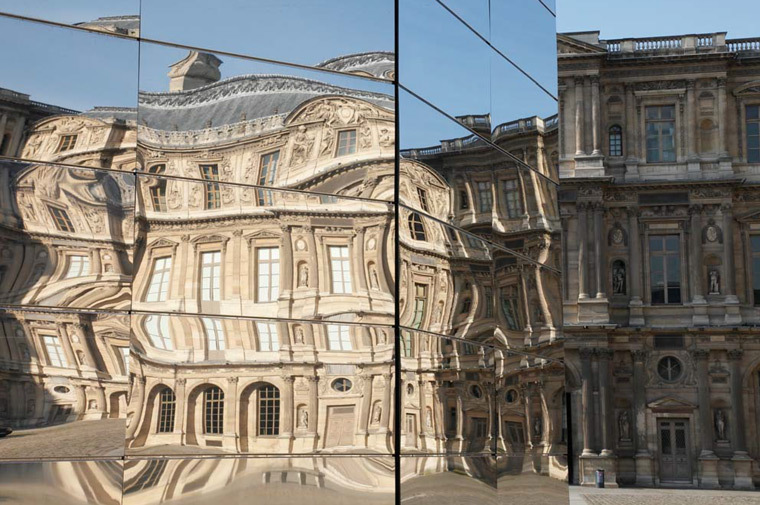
[422, 194]
[416, 228]
[62, 220]
[211, 173]
[346, 142]
[67, 143]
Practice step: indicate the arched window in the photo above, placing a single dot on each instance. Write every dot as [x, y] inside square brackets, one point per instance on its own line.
[269, 410]
[167, 403]
[616, 141]
[416, 228]
[213, 411]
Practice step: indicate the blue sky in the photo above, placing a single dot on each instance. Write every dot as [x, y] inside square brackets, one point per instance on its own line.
[646, 18]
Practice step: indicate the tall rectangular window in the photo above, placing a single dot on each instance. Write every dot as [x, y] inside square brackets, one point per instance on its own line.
[489, 302]
[513, 198]
[158, 189]
[340, 269]
[56, 357]
[79, 266]
[124, 352]
[422, 194]
[661, 134]
[268, 273]
[211, 273]
[267, 176]
[61, 219]
[159, 280]
[269, 339]
[67, 143]
[753, 133]
[510, 307]
[339, 337]
[346, 142]
[464, 201]
[485, 197]
[157, 328]
[211, 173]
[420, 298]
[665, 268]
[214, 333]
[754, 242]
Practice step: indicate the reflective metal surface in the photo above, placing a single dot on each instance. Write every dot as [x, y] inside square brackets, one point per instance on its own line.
[318, 480]
[448, 480]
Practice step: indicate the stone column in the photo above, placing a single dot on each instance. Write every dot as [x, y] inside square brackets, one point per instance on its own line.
[737, 401]
[703, 387]
[286, 420]
[587, 401]
[230, 413]
[180, 406]
[358, 259]
[635, 258]
[527, 392]
[595, 116]
[728, 254]
[582, 251]
[313, 404]
[639, 401]
[695, 253]
[100, 391]
[365, 404]
[722, 107]
[137, 399]
[741, 461]
[385, 417]
[423, 409]
[630, 124]
[81, 394]
[598, 234]
[460, 418]
[691, 117]
[605, 412]
[579, 151]
[286, 262]
[644, 471]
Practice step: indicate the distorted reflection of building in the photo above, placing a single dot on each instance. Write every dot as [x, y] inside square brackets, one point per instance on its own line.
[496, 292]
[659, 164]
[304, 253]
[279, 481]
[65, 482]
[66, 244]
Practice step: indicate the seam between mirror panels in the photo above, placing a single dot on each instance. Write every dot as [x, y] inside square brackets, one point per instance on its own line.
[397, 267]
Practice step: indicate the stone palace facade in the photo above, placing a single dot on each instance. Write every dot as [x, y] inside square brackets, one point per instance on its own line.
[659, 160]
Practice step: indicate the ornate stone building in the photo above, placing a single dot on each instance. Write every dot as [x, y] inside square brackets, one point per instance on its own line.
[658, 159]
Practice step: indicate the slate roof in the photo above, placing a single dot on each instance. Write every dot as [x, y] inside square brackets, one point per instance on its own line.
[379, 63]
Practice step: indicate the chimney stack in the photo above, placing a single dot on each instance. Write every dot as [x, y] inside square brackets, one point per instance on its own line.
[194, 71]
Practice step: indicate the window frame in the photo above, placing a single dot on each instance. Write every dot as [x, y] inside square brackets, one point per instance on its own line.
[213, 329]
[84, 266]
[615, 141]
[665, 254]
[61, 219]
[346, 285]
[660, 121]
[162, 332]
[342, 339]
[417, 227]
[352, 148]
[213, 411]
[58, 357]
[747, 123]
[163, 281]
[167, 410]
[272, 333]
[67, 143]
[272, 290]
[212, 195]
[210, 292]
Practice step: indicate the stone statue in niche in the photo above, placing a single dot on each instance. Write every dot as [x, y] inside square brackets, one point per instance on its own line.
[537, 427]
[711, 233]
[303, 276]
[374, 281]
[714, 282]
[624, 425]
[382, 337]
[92, 405]
[376, 413]
[81, 358]
[720, 424]
[428, 419]
[299, 335]
[438, 313]
[303, 418]
[618, 278]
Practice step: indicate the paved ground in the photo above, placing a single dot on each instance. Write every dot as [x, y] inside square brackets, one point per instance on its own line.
[627, 496]
[79, 439]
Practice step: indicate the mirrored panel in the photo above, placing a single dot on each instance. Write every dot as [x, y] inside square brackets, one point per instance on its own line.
[473, 12]
[265, 124]
[329, 480]
[111, 16]
[217, 248]
[447, 392]
[521, 483]
[77, 110]
[64, 482]
[63, 392]
[442, 60]
[446, 276]
[525, 32]
[67, 236]
[448, 480]
[335, 34]
[209, 385]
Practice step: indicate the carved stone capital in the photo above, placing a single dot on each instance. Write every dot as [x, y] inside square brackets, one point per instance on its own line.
[735, 354]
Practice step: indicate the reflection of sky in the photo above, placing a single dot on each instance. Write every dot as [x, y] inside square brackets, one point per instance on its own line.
[299, 31]
[68, 68]
[70, 11]
[648, 18]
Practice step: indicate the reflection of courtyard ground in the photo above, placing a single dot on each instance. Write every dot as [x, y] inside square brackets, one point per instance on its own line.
[80, 439]
[629, 496]
[532, 489]
[448, 488]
